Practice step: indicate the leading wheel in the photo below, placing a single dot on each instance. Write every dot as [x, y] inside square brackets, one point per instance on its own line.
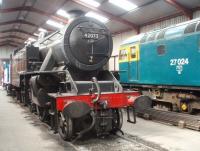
[65, 128]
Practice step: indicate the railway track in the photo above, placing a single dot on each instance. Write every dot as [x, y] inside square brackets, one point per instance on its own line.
[117, 142]
[178, 119]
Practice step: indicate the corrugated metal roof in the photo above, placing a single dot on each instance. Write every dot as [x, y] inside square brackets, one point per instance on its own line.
[189, 3]
[120, 20]
[150, 12]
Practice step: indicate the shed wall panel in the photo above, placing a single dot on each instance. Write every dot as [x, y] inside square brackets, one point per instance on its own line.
[196, 14]
[5, 52]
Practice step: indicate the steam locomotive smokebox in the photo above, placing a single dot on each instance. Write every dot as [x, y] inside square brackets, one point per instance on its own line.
[87, 44]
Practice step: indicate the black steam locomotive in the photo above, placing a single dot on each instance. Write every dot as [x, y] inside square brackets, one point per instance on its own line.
[62, 78]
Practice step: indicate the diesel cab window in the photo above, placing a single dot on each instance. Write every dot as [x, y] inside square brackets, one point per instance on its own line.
[123, 55]
[133, 52]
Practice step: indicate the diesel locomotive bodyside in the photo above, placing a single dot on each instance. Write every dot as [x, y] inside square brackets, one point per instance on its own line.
[164, 65]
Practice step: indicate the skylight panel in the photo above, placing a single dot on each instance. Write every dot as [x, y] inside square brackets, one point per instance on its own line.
[91, 2]
[63, 13]
[36, 34]
[124, 4]
[97, 16]
[55, 24]
[42, 30]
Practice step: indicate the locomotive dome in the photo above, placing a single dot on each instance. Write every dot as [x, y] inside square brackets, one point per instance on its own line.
[87, 44]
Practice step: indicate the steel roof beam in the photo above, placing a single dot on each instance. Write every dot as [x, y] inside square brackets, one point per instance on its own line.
[35, 10]
[8, 44]
[111, 16]
[20, 22]
[168, 17]
[152, 22]
[162, 19]
[12, 37]
[19, 31]
[11, 41]
[187, 12]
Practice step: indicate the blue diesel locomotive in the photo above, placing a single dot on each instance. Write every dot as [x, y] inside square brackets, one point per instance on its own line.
[165, 65]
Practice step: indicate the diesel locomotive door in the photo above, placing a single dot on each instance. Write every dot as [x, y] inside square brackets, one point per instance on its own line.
[124, 64]
[133, 62]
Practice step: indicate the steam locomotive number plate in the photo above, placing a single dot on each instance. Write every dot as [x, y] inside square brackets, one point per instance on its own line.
[91, 35]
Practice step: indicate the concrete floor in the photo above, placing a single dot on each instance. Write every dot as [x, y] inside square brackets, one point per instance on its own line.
[167, 136]
[20, 132]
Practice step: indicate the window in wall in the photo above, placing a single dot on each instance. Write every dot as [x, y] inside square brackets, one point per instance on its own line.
[161, 50]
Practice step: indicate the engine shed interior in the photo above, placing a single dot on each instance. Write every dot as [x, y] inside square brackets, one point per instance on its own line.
[93, 75]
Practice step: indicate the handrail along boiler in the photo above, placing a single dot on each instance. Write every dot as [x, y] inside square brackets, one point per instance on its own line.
[63, 79]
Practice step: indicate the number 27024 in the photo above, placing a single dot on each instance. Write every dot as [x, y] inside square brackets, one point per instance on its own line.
[181, 61]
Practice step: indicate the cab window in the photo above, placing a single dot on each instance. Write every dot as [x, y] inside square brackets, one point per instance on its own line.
[133, 52]
[123, 55]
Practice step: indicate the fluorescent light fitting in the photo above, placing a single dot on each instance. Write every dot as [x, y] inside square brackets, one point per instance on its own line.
[63, 13]
[1, 1]
[91, 2]
[125, 4]
[55, 24]
[31, 39]
[42, 30]
[36, 34]
[97, 16]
